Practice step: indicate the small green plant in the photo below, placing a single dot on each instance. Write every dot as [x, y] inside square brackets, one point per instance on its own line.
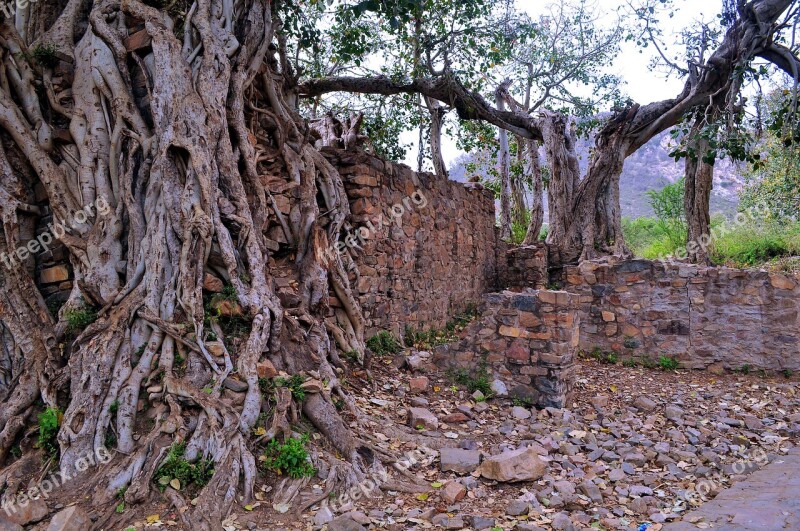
[478, 380]
[49, 421]
[668, 363]
[609, 358]
[229, 293]
[383, 343]
[46, 55]
[787, 373]
[80, 318]
[649, 363]
[630, 363]
[175, 466]
[522, 401]
[16, 451]
[432, 338]
[114, 407]
[294, 384]
[745, 369]
[289, 458]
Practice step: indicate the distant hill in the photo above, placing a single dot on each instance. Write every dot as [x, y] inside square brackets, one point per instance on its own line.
[650, 168]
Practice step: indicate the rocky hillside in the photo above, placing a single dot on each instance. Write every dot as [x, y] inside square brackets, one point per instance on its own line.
[650, 168]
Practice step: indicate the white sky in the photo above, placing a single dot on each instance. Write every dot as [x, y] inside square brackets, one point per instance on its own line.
[632, 65]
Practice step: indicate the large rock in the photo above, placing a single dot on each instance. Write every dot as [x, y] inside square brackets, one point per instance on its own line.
[70, 519]
[421, 418]
[523, 464]
[30, 512]
[345, 523]
[458, 460]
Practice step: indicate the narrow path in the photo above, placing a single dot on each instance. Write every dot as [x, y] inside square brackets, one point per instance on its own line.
[769, 500]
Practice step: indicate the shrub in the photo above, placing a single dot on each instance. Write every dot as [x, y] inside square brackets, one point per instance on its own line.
[294, 384]
[45, 55]
[667, 363]
[289, 458]
[79, 318]
[175, 466]
[476, 381]
[383, 343]
[609, 358]
[755, 244]
[49, 421]
[630, 363]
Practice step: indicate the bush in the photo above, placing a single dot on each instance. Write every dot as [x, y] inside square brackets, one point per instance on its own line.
[175, 466]
[294, 384]
[756, 244]
[476, 381]
[78, 319]
[45, 55]
[289, 458]
[49, 421]
[383, 343]
[667, 363]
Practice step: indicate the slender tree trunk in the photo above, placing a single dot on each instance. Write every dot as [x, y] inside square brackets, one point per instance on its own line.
[504, 169]
[437, 115]
[699, 180]
[537, 207]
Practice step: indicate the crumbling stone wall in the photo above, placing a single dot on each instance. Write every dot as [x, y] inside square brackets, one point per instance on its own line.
[527, 342]
[705, 317]
[421, 261]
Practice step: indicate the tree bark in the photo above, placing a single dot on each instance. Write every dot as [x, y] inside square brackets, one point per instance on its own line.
[437, 115]
[699, 181]
[537, 207]
[503, 167]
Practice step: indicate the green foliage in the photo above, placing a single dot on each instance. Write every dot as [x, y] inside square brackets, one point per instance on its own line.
[787, 373]
[49, 421]
[477, 380]
[294, 384]
[609, 358]
[522, 402]
[53, 307]
[630, 363]
[756, 243]
[432, 338]
[668, 363]
[668, 206]
[384, 343]
[289, 458]
[45, 55]
[745, 369]
[78, 319]
[175, 466]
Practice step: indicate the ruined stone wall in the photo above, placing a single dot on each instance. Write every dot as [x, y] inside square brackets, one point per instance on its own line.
[527, 342]
[427, 245]
[706, 317]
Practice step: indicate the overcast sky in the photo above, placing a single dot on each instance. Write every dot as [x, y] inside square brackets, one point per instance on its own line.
[641, 84]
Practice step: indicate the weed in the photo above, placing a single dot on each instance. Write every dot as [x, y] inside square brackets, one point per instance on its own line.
[648, 363]
[668, 363]
[79, 318]
[293, 383]
[787, 373]
[229, 293]
[53, 306]
[475, 381]
[175, 466]
[49, 421]
[46, 55]
[383, 343]
[745, 369]
[609, 358]
[289, 458]
[630, 363]
[522, 401]
[114, 407]
[432, 338]
[16, 451]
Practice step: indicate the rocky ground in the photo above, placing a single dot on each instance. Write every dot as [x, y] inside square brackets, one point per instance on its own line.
[637, 446]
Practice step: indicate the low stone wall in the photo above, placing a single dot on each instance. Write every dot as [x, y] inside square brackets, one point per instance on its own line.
[429, 244]
[705, 317]
[521, 268]
[528, 341]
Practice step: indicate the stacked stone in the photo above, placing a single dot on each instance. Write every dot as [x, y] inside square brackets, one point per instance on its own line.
[429, 243]
[706, 317]
[524, 267]
[527, 340]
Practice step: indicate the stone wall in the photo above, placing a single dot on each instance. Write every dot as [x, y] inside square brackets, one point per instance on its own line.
[521, 268]
[528, 341]
[428, 244]
[706, 317]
